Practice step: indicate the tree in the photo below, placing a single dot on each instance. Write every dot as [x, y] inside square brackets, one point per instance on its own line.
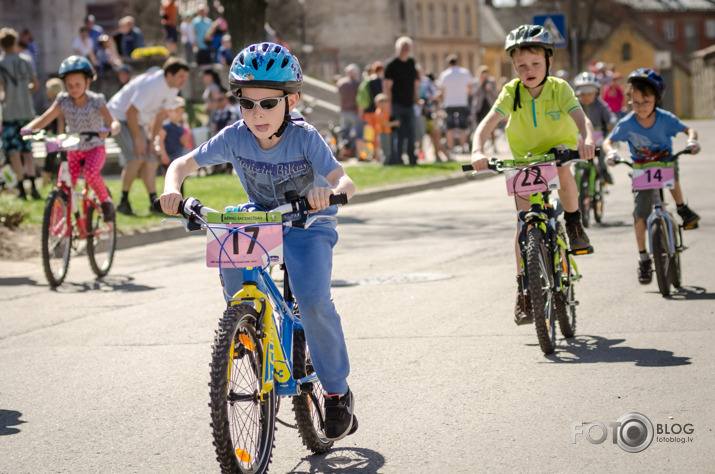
[246, 21]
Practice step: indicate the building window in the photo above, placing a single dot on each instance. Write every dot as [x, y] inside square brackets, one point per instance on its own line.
[670, 30]
[710, 28]
[445, 21]
[418, 18]
[626, 52]
[691, 37]
[455, 19]
[468, 20]
[430, 18]
[435, 64]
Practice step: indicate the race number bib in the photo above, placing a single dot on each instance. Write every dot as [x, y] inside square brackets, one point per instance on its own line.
[248, 244]
[653, 176]
[532, 179]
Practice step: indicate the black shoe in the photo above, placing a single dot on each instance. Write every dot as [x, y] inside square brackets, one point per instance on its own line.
[108, 211]
[522, 307]
[690, 218]
[645, 272]
[125, 208]
[339, 418]
[21, 194]
[35, 194]
[578, 240]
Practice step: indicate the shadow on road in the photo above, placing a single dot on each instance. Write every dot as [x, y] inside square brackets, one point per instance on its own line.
[691, 293]
[596, 349]
[343, 460]
[9, 418]
[17, 281]
[606, 225]
[108, 283]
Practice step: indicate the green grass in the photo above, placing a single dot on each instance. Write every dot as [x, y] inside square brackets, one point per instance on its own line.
[221, 190]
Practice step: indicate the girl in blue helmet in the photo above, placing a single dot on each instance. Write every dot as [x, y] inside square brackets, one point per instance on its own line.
[272, 155]
[84, 111]
[649, 131]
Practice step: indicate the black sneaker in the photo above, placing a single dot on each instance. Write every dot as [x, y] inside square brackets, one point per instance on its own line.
[108, 211]
[125, 208]
[35, 194]
[339, 418]
[645, 272]
[21, 194]
[690, 218]
[522, 307]
[578, 240]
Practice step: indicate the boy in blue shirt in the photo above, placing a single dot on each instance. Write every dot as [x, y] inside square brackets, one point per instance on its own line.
[272, 155]
[648, 131]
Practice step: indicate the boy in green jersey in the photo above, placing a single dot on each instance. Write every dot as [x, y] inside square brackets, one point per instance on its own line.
[543, 112]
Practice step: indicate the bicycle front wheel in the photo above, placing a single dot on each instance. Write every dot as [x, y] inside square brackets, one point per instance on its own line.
[540, 272]
[676, 270]
[101, 241]
[309, 406]
[584, 202]
[598, 201]
[243, 422]
[56, 237]
[661, 257]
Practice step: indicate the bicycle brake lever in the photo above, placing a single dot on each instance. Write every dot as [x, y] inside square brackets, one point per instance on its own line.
[186, 224]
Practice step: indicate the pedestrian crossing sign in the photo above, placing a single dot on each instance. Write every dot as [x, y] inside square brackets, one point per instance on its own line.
[555, 23]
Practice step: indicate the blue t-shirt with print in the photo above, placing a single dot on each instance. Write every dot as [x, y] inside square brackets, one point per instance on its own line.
[648, 144]
[299, 162]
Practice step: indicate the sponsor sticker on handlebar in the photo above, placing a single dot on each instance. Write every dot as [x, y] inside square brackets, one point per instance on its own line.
[532, 179]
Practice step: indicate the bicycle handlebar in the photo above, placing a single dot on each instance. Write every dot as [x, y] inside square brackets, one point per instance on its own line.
[44, 136]
[561, 157]
[621, 161]
[296, 209]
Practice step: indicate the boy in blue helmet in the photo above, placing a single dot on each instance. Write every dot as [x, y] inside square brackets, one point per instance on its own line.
[272, 155]
[648, 131]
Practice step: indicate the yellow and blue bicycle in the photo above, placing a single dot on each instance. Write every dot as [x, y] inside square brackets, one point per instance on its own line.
[259, 353]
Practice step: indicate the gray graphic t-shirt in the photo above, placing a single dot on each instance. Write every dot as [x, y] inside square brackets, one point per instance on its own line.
[83, 119]
[299, 162]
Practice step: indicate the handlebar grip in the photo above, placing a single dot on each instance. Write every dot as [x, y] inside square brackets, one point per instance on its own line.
[467, 167]
[340, 199]
[156, 205]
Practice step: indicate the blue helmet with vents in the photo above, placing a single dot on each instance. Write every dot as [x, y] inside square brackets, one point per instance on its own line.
[77, 64]
[266, 65]
[649, 76]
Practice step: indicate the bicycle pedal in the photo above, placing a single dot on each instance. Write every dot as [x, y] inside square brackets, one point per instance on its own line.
[691, 227]
[585, 251]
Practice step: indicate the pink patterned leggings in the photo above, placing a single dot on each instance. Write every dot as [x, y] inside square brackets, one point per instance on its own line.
[93, 163]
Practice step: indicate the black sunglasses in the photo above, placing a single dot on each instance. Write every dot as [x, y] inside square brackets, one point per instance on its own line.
[265, 104]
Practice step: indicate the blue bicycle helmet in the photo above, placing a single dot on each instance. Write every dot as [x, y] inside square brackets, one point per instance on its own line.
[77, 64]
[649, 76]
[266, 65]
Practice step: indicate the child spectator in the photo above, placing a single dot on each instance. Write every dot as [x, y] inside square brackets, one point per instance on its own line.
[383, 126]
[173, 140]
[53, 87]
[225, 55]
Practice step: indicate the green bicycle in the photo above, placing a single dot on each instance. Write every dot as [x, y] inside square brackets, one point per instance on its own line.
[548, 268]
[591, 189]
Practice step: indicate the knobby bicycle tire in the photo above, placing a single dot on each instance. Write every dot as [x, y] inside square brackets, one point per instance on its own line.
[309, 406]
[676, 270]
[101, 242]
[565, 300]
[661, 258]
[598, 201]
[56, 249]
[243, 424]
[584, 203]
[540, 274]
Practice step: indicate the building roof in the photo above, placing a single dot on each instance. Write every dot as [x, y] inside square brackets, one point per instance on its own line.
[491, 32]
[669, 5]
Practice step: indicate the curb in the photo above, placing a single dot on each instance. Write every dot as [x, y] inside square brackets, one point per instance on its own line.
[161, 234]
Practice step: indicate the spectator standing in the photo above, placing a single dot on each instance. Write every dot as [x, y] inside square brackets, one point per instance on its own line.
[188, 37]
[128, 38]
[84, 46]
[107, 57]
[430, 95]
[225, 52]
[124, 73]
[485, 93]
[214, 37]
[374, 85]
[137, 105]
[350, 123]
[383, 126]
[95, 31]
[169, 20]
[17, 82]
[173, 140]
[455, 84]
[27, 41]
[614, 95]
[201, 24]
[401, 85]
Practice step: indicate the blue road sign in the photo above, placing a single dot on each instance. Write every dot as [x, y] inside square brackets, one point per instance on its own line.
[555, 23]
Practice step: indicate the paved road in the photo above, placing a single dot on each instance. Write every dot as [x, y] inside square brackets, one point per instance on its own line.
[112, 376]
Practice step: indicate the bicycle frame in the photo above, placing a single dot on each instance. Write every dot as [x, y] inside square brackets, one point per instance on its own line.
[72, 197]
